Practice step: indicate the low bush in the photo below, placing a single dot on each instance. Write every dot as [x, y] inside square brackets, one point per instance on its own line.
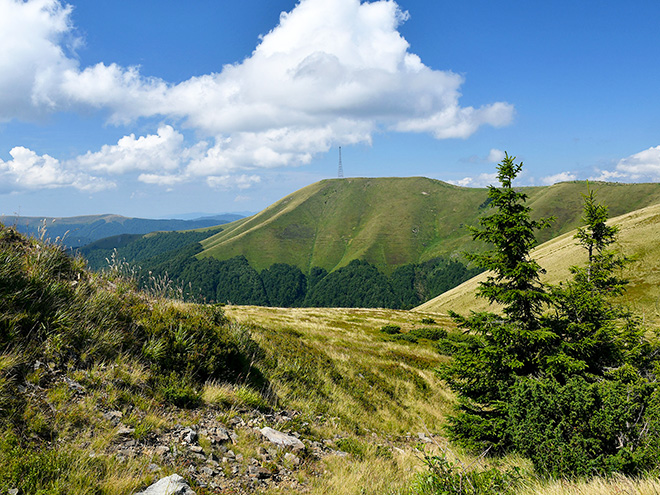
[446, 478]
[391, 329]
[434, 334]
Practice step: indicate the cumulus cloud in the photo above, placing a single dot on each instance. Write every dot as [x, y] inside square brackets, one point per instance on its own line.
[560, 177]
[642, 166]
[35, 37]
[330, 73]
[161, 151]
[232, 181]
[28, 170]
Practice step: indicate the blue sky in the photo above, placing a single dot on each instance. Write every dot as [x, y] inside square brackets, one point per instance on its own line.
[155, 108]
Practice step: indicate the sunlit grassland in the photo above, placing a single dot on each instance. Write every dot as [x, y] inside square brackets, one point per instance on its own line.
[639, 238]
[336, 362]
[374, 391]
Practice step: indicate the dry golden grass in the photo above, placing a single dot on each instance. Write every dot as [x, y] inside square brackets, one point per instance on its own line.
[348, 341]
[336, 362]
[618, 485]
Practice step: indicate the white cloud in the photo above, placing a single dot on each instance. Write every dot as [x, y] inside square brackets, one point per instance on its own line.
[162, 151]
[482, 180]
[560, 177]
[233, 181]
[640, 167]
[644, 165]
[330, 73]
[495, 156]
[33, 41]
[161, 179]
[28, 170]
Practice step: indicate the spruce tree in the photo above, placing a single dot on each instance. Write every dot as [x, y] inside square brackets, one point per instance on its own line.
[563, 376]
[503, 346]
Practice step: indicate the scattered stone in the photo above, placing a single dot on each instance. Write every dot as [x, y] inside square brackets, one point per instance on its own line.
[125, 431]
[153, 467]
[424, 438]
[282, 439]
[189, 435]
[73, 385]
[207, 471]
[259, 472]
[113, 416]
[161, 450]
[171, 485]
[197, 449]
[220, 436]
[14, 491]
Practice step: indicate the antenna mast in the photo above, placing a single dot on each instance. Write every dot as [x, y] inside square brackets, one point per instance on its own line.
[340, 174]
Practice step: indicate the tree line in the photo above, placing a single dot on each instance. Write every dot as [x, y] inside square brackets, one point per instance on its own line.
[171, 257]
[358, 284]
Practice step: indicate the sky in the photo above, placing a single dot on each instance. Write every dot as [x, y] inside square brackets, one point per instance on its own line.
[161, 108]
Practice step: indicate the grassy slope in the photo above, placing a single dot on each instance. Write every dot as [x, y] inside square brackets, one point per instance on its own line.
[393, 221]
[389, 222]
[639, 234]
[336, 362]
[388, 390]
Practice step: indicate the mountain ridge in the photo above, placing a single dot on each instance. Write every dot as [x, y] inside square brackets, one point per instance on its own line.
[390, 222]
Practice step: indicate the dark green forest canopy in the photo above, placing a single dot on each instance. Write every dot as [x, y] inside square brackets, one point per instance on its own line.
[171, 256]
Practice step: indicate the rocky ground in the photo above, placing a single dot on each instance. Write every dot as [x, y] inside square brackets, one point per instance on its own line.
[214, 450]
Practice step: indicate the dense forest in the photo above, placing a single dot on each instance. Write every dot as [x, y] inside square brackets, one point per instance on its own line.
[169, 258]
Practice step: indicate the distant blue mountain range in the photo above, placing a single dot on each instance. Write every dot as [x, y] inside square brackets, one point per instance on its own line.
[78, 231]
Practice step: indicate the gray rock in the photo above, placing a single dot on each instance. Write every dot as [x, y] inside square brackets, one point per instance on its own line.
[161, 450]
[171, 485]
[73, 385]
[258, 472]
[189, 435]
[282, 439]
[207, 471]
[113, 416]
[221, 435]
[125, 431]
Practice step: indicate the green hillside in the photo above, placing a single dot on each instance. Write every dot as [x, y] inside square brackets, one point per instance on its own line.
[390, 222]
[638, 238]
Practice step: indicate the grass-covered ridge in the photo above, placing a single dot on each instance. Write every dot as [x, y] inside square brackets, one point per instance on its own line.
[638, 239]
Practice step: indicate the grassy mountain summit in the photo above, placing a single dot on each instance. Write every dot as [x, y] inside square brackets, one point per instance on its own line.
[390, 222]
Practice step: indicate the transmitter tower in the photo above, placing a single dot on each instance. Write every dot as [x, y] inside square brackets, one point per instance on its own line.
[340, 172]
